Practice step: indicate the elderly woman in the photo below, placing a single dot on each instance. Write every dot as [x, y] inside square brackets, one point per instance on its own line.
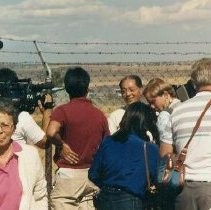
[22, 181]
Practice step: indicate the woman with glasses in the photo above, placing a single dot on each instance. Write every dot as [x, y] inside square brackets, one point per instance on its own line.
[22, 181]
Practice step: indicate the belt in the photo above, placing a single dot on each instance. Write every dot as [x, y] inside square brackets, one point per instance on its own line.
[187, 180]
[111, 189]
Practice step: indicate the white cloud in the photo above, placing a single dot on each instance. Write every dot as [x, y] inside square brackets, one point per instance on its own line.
[47, 16]
[28, 9]
[190, 10]
[36, 4]
[194, 5]
[144, 15]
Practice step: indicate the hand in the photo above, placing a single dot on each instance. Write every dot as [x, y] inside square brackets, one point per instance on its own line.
[46, 112]
[69, 155]
[46, 98]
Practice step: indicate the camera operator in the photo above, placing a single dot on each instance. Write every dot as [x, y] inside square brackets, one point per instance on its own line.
[27, 129]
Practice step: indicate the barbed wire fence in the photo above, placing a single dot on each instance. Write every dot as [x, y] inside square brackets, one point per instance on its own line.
[106, 62]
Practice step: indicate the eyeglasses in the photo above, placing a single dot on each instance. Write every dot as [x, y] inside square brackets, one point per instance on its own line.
[124, 91]
[5, 127]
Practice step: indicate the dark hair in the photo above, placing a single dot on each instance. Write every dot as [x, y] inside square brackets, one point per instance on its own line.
[138, 119]
[7, 74]
[7, 107]
[76, 82]
[136, 78]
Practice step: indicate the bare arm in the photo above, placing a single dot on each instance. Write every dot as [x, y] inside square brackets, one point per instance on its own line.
[54, 137]
[45, 122]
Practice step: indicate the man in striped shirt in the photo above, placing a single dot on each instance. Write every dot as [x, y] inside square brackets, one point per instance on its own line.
[196, 194]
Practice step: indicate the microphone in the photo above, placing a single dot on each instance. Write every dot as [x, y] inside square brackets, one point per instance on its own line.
[1, 44]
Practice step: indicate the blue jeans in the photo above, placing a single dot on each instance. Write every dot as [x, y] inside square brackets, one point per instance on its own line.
[116, 199]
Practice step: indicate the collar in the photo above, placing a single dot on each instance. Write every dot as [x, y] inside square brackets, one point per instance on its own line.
[205, 92]
[84, 99]
[16, 148]
[174, 102]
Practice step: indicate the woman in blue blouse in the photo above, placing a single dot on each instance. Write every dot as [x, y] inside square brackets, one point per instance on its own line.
[118, 168]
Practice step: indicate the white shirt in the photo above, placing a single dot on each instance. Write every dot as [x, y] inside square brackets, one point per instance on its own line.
[114, 119]
[27, 130]
[164, 123]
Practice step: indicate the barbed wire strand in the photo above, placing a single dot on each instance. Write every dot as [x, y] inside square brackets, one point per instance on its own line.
[109, 53]
[113, 43]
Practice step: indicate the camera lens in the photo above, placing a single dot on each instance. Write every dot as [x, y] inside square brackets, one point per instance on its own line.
[1, 44]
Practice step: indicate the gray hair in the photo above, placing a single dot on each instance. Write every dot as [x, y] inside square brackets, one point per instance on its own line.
[201, 74]
[7, 107]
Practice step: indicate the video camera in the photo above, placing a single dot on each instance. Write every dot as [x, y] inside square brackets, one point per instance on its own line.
[25, 95]
[185, 91]
[1, 44]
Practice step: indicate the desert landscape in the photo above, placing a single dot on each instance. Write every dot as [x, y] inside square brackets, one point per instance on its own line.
[104, 90]
[105, 77]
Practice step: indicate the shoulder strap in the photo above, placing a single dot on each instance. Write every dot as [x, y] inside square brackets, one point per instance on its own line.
[198, 122]
[146, 165]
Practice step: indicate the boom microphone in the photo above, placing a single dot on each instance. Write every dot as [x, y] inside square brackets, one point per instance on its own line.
[1, 44]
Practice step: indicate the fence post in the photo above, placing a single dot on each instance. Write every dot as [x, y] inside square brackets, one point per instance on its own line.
[48, 149]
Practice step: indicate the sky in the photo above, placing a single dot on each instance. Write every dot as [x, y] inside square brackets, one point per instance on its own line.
[105, 21]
